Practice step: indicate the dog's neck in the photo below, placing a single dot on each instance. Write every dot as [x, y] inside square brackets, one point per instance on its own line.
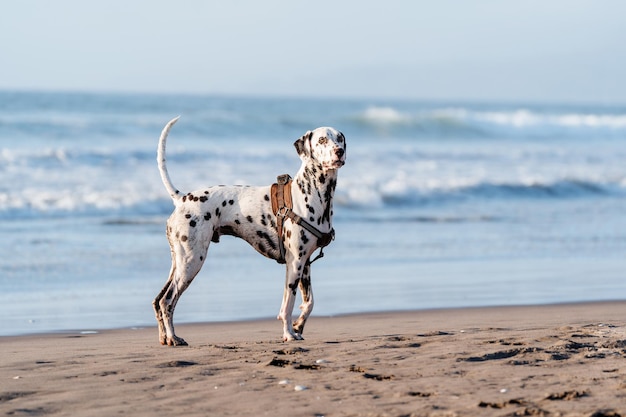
[316, 187]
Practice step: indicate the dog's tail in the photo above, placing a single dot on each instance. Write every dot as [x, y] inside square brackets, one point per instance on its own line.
[165, 177]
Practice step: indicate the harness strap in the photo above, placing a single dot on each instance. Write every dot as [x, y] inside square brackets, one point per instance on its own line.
[282, 206]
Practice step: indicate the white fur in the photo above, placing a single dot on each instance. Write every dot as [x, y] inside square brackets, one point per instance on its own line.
[203, 215]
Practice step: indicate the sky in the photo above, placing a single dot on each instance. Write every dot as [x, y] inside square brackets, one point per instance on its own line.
[531, 50]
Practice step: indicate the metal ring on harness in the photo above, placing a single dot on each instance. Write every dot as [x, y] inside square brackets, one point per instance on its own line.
[283, 211]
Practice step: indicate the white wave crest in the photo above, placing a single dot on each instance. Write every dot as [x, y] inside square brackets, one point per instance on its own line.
[526, 118]
[384, 115]
[470, 120]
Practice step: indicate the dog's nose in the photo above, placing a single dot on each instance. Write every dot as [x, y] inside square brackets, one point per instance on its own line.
[339, 152]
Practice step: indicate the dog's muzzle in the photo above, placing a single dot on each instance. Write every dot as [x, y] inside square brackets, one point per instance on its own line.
[340, 161]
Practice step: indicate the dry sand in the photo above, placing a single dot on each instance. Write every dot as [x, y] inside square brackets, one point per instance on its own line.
[541, 361]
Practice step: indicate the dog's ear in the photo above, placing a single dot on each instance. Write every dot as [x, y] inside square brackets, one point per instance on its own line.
[303, 145]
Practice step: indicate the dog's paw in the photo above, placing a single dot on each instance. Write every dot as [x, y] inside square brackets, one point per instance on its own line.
[298, 328]
[175, 341]
[289, 337]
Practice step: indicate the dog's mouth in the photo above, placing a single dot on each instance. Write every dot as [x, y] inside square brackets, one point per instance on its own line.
[335, 164]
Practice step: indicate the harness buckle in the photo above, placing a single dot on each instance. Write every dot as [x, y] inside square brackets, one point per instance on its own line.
[283, 179]
[283, 211]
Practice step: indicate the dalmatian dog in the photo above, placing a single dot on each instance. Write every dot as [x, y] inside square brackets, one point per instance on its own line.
[201, 216]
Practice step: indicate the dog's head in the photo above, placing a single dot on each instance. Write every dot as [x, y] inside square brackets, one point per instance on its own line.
[324, 145]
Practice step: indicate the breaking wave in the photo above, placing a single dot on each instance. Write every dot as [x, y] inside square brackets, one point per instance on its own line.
[406, 195]
[509, 123]
[61, 182]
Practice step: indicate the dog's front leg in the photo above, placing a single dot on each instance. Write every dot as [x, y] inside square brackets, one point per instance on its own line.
[294, 273]
[306, 290]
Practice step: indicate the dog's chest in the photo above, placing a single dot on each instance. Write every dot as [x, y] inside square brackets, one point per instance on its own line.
[313, 197]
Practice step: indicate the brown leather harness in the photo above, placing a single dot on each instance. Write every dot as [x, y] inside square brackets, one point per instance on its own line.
[282, 206]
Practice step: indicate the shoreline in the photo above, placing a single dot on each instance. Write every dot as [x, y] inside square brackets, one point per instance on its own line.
[269, 320]
[562, 359]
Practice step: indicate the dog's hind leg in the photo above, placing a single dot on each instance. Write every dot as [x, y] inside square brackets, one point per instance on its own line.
[307, 299]
[156, 305]
[185, 266]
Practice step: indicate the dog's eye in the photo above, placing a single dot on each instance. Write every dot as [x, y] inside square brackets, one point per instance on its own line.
[323, 140]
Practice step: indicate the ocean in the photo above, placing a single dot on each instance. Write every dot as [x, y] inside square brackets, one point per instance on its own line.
[439, 205]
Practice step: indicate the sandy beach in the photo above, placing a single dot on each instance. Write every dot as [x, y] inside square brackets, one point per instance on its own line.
[558, 360]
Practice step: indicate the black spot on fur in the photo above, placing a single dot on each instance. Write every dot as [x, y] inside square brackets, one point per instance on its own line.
[237, 221]
[192, 223]
[311, 209]
[217, 212]
[250, 219]
[188, 216]
[328, 193]
[294, 286]
[203, 198]
[184, 198]
[302, 184]
[207, 216]
[183, 238]
[266, 197]
[224, 203]
[228, 230]
[231, 202]
[263, 235]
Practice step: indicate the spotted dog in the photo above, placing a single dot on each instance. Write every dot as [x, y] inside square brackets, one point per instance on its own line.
[201, 216]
